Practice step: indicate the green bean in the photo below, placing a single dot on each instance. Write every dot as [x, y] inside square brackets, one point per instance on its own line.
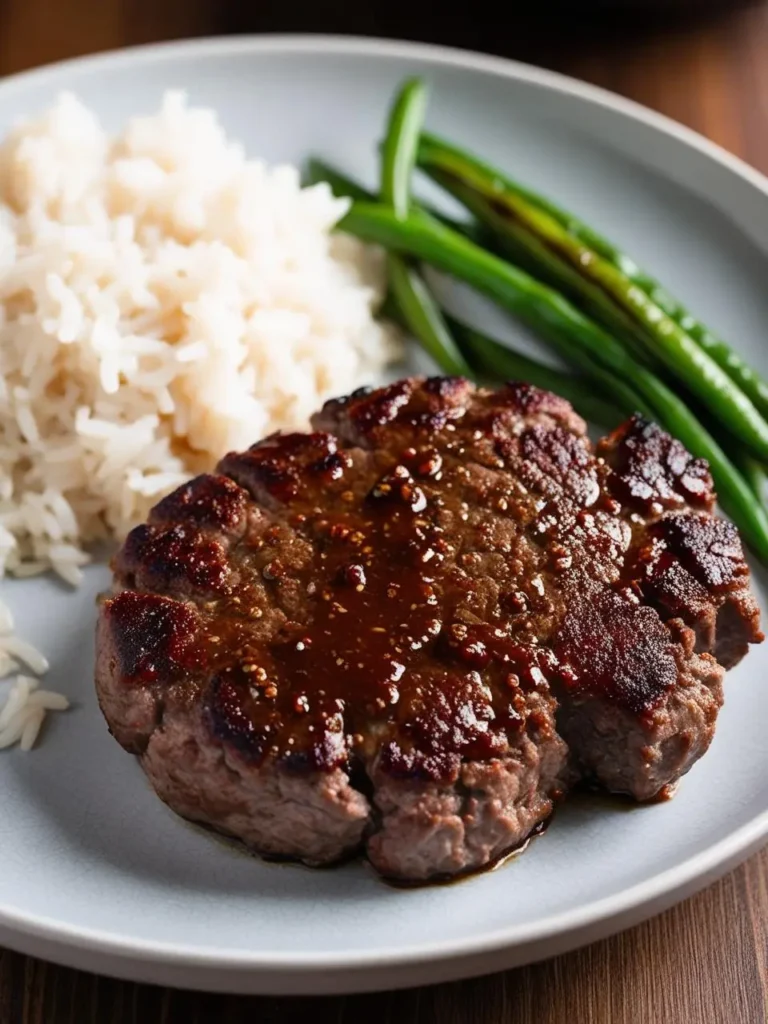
[401, 144]
[488, 356]
[744, 505]
[499, 362]
[340, 184]
[579, 340]
[664, 338]
[746, 376]
[493, 361]
[422, 315]
[754, 474]
[524, 249]
[748, 379]
[344, 187]
[575, 337]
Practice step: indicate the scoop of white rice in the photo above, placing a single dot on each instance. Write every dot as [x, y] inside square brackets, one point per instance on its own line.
[163, 299]
[23, 706]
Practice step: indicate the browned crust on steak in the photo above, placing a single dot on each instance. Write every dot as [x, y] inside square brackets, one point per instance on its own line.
[369, 627]
[641, 754]
[687, 563]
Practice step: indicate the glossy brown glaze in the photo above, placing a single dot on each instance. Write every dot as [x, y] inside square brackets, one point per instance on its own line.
[398, 580]
[413, 629]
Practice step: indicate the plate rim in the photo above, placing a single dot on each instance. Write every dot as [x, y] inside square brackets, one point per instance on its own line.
[598, 915]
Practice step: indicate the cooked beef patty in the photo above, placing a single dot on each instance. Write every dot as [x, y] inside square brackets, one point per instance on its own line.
[411, 630]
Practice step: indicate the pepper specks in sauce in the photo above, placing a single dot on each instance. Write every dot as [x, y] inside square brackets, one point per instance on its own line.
[425, 591]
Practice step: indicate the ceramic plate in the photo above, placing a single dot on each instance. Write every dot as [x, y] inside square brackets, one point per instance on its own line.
[94, 871]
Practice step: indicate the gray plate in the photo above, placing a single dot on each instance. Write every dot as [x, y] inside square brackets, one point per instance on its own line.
[95, 872]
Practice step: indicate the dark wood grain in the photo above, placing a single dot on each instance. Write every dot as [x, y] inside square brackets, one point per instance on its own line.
[706, 961]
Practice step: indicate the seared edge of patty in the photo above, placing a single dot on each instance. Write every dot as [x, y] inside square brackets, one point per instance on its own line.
[637, 710]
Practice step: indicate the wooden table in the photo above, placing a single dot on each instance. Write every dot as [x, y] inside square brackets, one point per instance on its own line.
[705, 962]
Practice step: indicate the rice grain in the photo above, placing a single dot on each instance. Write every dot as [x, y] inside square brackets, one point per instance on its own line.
[163, 299]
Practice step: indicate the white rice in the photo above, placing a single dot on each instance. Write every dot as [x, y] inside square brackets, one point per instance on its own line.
[23, 706]
[163, 300]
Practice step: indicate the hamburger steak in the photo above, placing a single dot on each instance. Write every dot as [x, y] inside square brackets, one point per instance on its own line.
[413, 629]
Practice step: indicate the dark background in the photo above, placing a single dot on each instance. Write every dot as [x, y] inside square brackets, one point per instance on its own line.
[703, 62]
[524, 28]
